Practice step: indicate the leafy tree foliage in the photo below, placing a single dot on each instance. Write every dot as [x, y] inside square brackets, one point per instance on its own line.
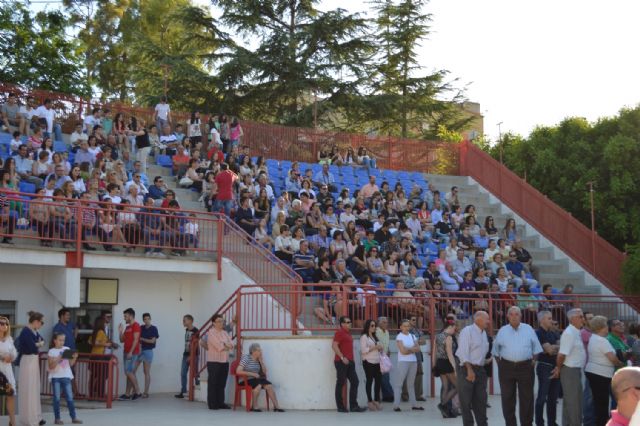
[35, 51]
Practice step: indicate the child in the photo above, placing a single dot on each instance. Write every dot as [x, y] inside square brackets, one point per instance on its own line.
[192, 230]
[61, 376]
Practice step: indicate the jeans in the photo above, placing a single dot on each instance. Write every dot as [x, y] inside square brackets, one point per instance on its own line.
[387, 389]
[548, 390]
[57, 131]
[62, 385]
[223, 205]
[444, 238]
[588, 414]
[183, 373]
[346, 372]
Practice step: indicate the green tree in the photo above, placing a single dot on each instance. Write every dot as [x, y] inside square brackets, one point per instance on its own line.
[300, 51]
[35, 51]
[402, 99]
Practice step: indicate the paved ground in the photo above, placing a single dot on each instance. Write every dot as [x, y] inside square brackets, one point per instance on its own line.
[163, 409]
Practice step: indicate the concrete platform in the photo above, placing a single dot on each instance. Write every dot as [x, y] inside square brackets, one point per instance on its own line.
[164, 409]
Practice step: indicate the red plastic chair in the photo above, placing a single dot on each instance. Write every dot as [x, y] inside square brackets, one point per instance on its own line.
[242, 385]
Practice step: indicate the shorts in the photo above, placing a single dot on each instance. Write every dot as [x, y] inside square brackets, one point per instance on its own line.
[253, 382]
[146, 356]
[130, 363]
[443, 366]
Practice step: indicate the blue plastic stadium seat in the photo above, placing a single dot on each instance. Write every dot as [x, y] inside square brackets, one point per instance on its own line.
[59, 146]
[164, 161]
[27, 187]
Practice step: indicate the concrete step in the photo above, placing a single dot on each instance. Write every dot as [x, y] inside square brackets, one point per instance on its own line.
[552, 266]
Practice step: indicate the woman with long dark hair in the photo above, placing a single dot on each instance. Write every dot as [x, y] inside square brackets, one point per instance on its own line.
[194, 128]
[370, 349]
[444, 364]
[99, 343]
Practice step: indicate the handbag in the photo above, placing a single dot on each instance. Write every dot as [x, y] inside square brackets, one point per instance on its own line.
[6, 389]
[385, 363]
[185, 181]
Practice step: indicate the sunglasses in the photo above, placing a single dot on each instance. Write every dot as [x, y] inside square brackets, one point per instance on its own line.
[347, 322]
[4, 323]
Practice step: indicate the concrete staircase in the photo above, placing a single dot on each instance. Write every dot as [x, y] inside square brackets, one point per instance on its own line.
[554, 269]
[187, 198]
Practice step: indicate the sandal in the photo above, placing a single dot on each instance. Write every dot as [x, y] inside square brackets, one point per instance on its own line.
[145, 395]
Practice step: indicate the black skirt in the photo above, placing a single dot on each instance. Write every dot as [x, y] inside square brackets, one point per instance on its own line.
[443, 366]
[253, 382]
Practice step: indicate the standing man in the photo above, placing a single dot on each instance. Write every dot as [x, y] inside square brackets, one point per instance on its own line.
[130, 337]
[162, 113]
[548, 388]
[419, 337]
[148, 337]
[516, 348]
[70, 331]
[189, 331]
[382, 333]
[224, 198]
[625, 387]
[345, 367]
[569, 364]
[473, 346]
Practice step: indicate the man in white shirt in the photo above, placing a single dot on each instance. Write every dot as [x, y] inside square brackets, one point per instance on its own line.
[162, 113]
[279, 207]
[77, 136]
[450, 279]
[516, 348]
[570, 362]
[262, 184]
[92, 120]
[473, 347]
[168, 139]
[48, 119]
[27, 112]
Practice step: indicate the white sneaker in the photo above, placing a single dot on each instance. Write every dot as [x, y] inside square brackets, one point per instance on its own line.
[160, 255]
[149, 253]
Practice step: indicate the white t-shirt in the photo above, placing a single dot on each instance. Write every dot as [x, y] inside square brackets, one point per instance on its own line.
[63, 369]
[598, 362]
[408, 341]
[163, 111]
[572, 347]
[47, 114]
[90, 121]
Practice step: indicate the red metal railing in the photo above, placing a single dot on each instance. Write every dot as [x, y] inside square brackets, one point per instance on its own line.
[253, 309]
[96, 378]
[273, 141]
[103, 226]
[589, 250]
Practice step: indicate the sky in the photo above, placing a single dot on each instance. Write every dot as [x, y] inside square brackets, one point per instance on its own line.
[531, 63]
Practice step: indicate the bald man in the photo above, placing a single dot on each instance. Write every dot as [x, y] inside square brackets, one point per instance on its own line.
[625, 386]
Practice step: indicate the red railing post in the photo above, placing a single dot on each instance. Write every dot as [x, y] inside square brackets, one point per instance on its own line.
[432, 335]
[111, 368]
[238, 323]
[221, 225]
[193, 365]
[294, 308]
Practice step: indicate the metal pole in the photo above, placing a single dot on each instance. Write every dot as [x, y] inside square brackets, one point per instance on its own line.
[500, 140]
[593, 229]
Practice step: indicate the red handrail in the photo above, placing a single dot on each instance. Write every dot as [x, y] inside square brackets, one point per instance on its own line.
[554, 223]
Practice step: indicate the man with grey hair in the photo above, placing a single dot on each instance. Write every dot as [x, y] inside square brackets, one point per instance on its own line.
[569, 364]
[382, 333]
[516, 349]
[548, 388]
[473, 346]
[625, 387]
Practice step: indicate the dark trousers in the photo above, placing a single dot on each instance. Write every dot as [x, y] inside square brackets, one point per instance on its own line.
[600, 387]
[374, 378]
[516, 377]
[548, 391]
[346, 372]
[218, 373]
[387, 389]
[473, 396]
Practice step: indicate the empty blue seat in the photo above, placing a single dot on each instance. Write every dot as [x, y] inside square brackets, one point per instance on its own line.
[27, 187]
[164, 161]
[59, 146]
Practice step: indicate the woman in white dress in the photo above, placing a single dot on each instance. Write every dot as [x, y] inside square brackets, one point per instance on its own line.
[8, 354]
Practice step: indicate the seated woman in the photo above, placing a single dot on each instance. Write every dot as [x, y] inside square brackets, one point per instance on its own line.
[255, 372]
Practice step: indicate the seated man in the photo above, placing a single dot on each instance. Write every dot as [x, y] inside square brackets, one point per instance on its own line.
[77, 137]
[518, 274]
[326, 178]
[8, 217]
[158, 190]
[253, 369]
[10, 113]
[24, 167]
[303, 262]
[152, 229]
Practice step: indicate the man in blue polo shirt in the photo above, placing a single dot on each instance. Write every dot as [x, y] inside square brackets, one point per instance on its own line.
[70, 331]
[518, 273]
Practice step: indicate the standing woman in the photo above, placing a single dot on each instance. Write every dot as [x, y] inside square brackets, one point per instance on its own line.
[370, 349]
[445, 364]
[194, 128]
[235, 132]
[218, 345]
[407, 365]
[143, 146]
[8, 354]
[602, 362]
[30, 343]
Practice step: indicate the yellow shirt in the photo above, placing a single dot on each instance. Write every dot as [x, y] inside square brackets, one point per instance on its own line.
[101, 337]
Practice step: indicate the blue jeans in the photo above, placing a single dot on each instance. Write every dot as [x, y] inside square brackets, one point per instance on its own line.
[548, 390]
[184, 373]
[57, 131]
[62, 385]
[223, 205]
[387, 389]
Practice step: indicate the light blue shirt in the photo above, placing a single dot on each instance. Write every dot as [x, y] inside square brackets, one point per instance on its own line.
[322, 178]
[516, 345]
[473, 345]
